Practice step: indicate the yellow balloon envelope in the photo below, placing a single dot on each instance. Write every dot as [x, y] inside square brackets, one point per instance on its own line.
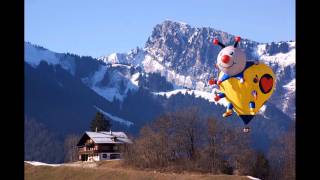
[259, 78]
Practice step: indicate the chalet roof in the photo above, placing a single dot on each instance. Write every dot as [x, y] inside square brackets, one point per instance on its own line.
[103, 137]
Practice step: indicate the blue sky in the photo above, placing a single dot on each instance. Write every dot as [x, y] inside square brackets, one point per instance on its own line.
[101, 27]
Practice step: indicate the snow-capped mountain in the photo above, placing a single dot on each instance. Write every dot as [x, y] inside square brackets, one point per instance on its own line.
[108, 80]
[181, 55]
[281, 57]
[185, 56]
[63, 91]
[68, 88]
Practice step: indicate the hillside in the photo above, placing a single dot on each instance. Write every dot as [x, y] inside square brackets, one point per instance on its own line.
[112, 170]
[63, 91]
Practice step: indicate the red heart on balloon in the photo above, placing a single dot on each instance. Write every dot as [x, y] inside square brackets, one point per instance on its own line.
[266, 83]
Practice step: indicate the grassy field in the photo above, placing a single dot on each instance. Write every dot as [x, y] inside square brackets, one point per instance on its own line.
[110, 170]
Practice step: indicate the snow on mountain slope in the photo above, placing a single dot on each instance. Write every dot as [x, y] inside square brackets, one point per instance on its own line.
[98, 75]
[108, 93]
[152, 65]
[204, 95]
[119, 82]
[115, 58]
[184, 56]
[33, 55]
[134, 57]
[291, 86]
[109, 81]
[115, 118]
[289, 98]
[283, 64]
[135, 79]
[280, 59]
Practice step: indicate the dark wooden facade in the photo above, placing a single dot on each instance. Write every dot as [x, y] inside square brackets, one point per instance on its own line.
[88, 150]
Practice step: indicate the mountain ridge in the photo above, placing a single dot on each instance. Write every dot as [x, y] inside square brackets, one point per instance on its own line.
[64, 91]
[192, 69]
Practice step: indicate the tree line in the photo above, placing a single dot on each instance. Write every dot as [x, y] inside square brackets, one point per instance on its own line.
[42, 145]
[177, 141]
[183, 141]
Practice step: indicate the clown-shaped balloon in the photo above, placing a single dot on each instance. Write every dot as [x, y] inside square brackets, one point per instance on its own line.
[246, 85]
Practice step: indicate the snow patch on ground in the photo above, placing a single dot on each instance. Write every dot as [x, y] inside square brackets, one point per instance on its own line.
[250, 177]
[36, 163]
[115, 118]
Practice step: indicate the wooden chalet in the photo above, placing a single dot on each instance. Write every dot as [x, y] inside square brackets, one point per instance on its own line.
[101, 145]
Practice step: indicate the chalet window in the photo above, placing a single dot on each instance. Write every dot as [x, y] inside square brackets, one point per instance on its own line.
[115, 148]
[89, 144]
[106, 147]
[104, 156]
[114, 156]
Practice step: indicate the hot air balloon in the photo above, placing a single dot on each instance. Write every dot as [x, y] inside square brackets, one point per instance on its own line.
[246, 85]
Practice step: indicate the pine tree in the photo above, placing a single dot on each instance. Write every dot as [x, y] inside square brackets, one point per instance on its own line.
[100, 123]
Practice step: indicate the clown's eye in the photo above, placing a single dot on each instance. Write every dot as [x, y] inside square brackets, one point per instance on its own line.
[231, 53]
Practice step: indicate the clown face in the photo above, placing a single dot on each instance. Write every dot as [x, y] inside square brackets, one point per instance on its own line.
[231, 60]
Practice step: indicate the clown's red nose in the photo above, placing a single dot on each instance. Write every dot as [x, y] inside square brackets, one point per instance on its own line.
[225, 59]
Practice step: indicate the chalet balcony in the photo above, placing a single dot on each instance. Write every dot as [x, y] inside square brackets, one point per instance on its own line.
[88, 151]
[85, 150]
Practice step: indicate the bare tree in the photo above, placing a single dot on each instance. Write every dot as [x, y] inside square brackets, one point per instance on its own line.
[70, 147]
[289, 158]
[171, 139]
[282, 156]
[183, 141]
[261, 167]
[209, 159]
[40, 144]
[235, 147]
[187, 126]
[149, 150]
